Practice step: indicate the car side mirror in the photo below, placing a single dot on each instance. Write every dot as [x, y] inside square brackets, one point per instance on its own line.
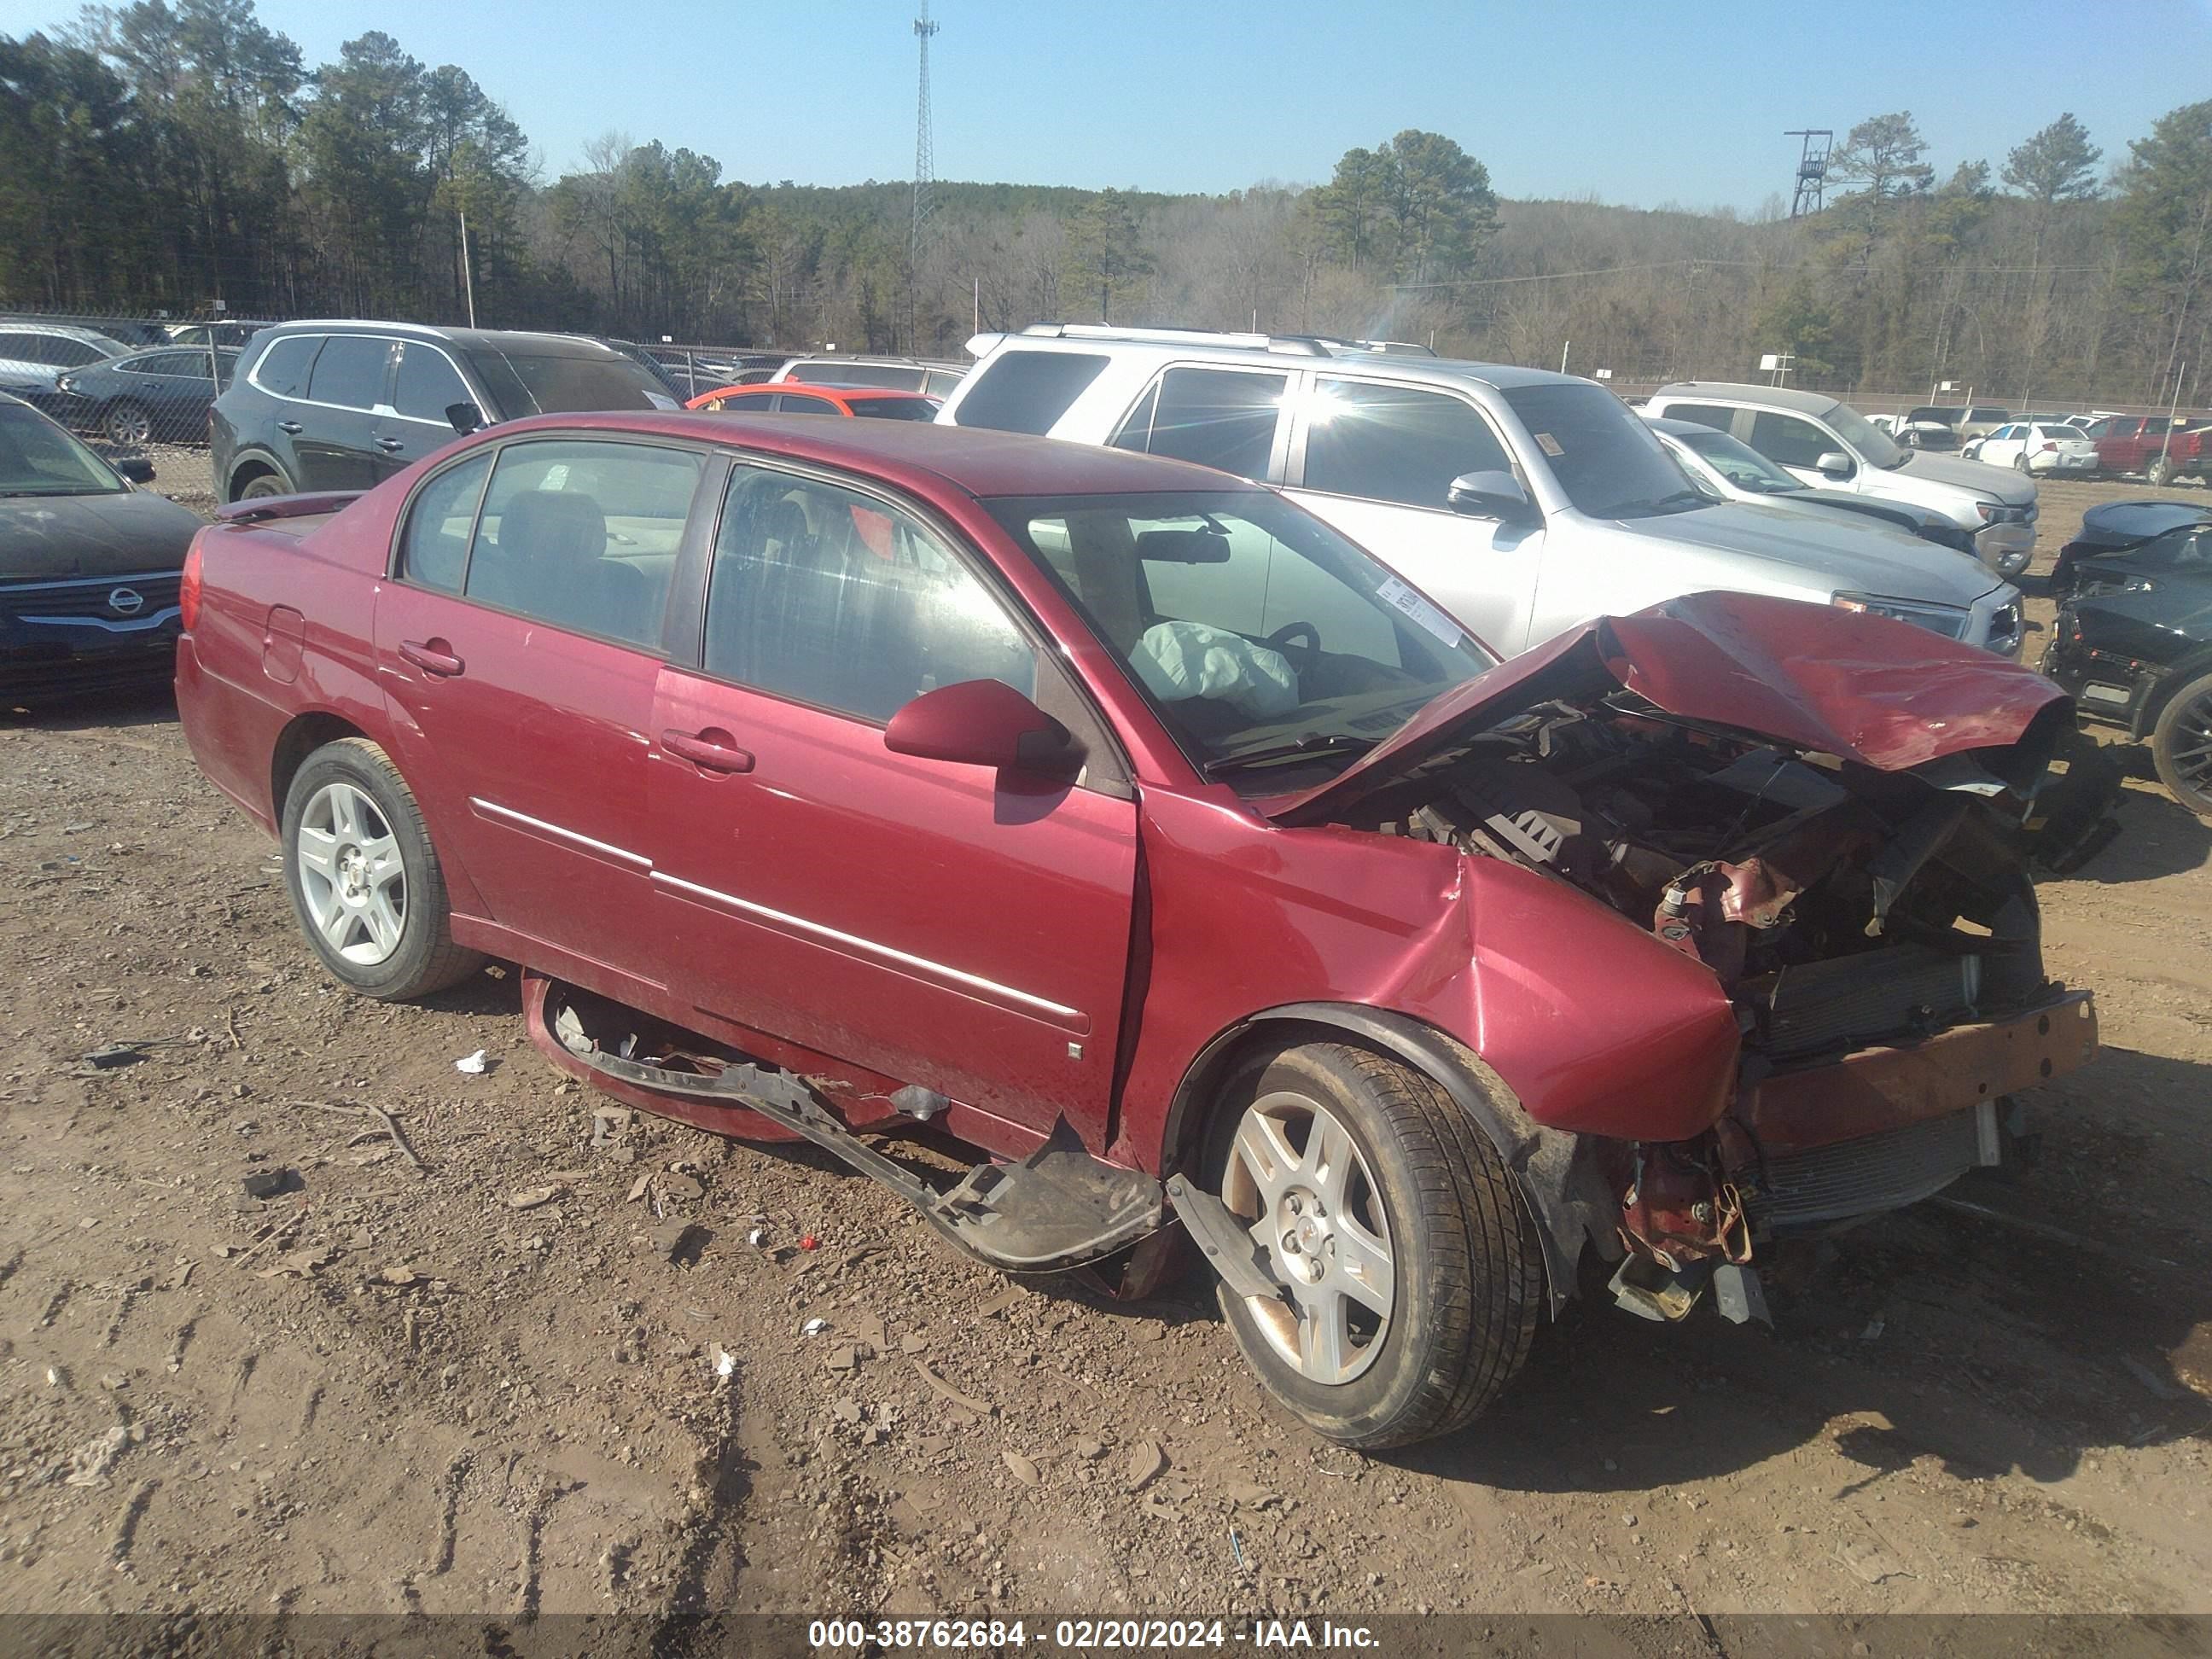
[136, 468]
[1833, 464]
[464, 418]
[1491, 495]
[984, 723]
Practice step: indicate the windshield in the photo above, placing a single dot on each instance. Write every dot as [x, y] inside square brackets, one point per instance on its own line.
[1269, 644]
[37, 457]
[529, 384]
[1875, 447]
[1740, 463]
[1605, 458]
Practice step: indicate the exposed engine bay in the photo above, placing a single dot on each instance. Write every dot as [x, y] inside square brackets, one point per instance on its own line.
[1757, 861]
[1841, 907]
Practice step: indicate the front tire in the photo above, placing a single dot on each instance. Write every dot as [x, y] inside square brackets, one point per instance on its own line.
[1414, 1280]
[2181, 745]
[364, 880]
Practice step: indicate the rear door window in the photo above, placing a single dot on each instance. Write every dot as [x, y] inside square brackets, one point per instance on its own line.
[797, 402]
[1027, 391]
[436, 544]
[284, 368]
[1224, 418]
[1395, 443]
[584, 535]
[1718, 416]
[428, 384]
[349, 371]
[1788, 441]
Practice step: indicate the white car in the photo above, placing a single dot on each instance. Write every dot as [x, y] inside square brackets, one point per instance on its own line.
[2036, 449]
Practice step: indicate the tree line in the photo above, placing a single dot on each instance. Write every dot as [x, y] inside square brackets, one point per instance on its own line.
[167, 153]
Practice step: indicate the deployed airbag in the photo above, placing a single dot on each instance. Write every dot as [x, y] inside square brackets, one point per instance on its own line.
[1178, 660]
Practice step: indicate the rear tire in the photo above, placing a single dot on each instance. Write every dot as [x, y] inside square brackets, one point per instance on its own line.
[1406, 1187]
[127, 424]
[2181, 745]
[263, 485]
[364, 880]
[2159, 473]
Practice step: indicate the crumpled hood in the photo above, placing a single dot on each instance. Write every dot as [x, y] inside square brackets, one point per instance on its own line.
[1865, 688]
[48, 538]
[2004, 484]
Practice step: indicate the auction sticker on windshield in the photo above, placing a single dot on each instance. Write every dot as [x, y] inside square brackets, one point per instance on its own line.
[1395, 594]
[1549, 445]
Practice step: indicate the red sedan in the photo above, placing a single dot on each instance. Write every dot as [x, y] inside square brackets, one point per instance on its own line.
[1120, 822]
[867, 402]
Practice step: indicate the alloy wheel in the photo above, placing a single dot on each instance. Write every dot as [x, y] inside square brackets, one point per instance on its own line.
[129, 425]
[1298, 1180]
[351, 875]
[2190, 756]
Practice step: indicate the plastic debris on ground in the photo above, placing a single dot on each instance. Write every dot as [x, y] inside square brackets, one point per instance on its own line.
[475, 1065]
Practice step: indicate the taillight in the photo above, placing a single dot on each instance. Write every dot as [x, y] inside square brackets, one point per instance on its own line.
[188, 589]
[2051, 449]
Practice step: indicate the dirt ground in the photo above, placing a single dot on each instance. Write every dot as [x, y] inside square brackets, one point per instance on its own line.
[486, 1384]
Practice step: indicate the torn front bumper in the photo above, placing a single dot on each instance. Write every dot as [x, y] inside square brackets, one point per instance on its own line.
[1886, 1126]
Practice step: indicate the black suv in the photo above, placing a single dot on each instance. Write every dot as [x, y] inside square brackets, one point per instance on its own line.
[344, 405]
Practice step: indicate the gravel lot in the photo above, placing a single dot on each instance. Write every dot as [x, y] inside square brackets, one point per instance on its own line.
[392, 1387]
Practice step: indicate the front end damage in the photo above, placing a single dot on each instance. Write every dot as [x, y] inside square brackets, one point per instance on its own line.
[1854, 875]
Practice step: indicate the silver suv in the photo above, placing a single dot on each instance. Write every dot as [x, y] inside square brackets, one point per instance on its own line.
[1526, 501]
[1831, 445]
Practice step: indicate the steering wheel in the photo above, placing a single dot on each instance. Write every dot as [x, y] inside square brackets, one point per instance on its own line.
[1308, 654]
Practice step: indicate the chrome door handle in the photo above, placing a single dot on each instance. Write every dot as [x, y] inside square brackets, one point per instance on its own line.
[291, 427]
[390, 446]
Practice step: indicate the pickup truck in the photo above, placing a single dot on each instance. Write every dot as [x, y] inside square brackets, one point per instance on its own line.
[2160, 447]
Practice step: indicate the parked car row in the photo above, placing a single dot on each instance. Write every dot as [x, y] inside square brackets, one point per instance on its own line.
[1414, 825]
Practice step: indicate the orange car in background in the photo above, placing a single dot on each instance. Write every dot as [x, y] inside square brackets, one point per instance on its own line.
[872, 402]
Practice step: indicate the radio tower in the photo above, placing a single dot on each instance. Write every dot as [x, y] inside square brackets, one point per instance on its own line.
[925, 168]
[1812, 169]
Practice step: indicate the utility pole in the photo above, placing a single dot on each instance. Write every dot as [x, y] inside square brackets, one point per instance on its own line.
[925, 169]
[468, 277]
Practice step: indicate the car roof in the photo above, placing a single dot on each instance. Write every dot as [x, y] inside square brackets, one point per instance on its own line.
[468, 339]
[851, 394]
[978, 462]
[68, 330]
[1773, 397]
[1194, 345]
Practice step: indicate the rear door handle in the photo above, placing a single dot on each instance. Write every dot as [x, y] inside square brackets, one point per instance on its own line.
[390, 446]
[709, 750]
[433, 656]
[292, 427]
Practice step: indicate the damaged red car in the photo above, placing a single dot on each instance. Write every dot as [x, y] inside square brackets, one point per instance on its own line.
[1125, 825]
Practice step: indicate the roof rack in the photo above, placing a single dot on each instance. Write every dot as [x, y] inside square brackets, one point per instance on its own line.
[1298, 345]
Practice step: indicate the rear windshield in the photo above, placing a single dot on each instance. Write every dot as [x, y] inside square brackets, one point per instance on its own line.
[539, 385]
[1027, 391]
[897, 376]
[37, 457]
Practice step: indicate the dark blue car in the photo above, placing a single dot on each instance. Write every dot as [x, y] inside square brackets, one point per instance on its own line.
[159, 397]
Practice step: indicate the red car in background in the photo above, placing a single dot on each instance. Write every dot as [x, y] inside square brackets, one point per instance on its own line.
[1122, 823]
[867, 402]
[2160, 447]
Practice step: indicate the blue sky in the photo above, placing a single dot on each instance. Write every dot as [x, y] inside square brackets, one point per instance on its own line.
[1640, 104]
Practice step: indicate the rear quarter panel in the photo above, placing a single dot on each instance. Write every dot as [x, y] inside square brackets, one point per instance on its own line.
[241, 680]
